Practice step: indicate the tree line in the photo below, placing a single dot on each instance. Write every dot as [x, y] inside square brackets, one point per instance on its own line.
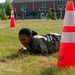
[5, 9]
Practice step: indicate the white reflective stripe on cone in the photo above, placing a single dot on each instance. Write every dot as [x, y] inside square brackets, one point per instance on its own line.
[69, 18]
[12, 12]
[12, 15]
[68, 37]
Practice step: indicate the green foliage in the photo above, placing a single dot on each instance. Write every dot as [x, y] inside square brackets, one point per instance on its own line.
[2, 5]
[5, 9]
[51, 15]
[8, 6]
[47, 16]
[3, 15]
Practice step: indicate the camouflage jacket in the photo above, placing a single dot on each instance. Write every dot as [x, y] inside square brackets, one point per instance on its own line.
[44, 44]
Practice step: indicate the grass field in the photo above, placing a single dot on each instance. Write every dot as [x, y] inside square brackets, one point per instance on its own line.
[13, 63]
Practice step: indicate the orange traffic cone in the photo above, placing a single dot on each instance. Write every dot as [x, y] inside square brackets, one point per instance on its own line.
[12, 20]
[66, 55]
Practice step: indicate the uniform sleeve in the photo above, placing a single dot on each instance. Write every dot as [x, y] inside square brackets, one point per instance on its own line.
[41, 46]
[56, 40]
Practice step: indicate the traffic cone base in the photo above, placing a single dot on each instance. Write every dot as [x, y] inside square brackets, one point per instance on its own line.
[67, 55]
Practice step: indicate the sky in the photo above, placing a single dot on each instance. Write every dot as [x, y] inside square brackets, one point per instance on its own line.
[2, 1]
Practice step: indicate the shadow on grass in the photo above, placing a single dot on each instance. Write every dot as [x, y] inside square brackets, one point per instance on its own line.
[49, 71]
[10, 56]
[58, 71]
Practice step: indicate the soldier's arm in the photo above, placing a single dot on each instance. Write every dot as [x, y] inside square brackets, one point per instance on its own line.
[41, 46]
[56, 39]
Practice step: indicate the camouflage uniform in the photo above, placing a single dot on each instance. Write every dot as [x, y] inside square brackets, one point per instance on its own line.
[22, 13]
[44, 44]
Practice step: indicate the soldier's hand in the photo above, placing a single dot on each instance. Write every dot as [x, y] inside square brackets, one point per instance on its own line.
[21, 50]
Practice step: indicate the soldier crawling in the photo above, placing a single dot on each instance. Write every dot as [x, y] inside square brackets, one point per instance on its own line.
[35, 44]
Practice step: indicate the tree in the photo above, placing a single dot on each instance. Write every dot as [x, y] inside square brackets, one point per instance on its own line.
[5, 9]
[2, 5]
[48, 14]
[8, 6]
[3, 15]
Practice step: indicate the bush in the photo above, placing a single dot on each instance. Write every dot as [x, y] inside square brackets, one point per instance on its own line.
[47, 16]
[3, 15]
[51, 14]
[8, 6]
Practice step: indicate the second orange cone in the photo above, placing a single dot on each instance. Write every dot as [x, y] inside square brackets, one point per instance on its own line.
[12, 20]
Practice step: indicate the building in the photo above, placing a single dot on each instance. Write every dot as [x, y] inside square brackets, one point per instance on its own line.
[37, 5]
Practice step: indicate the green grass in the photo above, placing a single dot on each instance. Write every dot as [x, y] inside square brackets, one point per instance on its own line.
[13, 63]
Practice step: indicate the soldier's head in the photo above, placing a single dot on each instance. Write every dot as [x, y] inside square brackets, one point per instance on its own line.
[25, 36]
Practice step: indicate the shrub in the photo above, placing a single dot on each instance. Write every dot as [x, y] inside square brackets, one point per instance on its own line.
[3, 15]
[47, 16]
